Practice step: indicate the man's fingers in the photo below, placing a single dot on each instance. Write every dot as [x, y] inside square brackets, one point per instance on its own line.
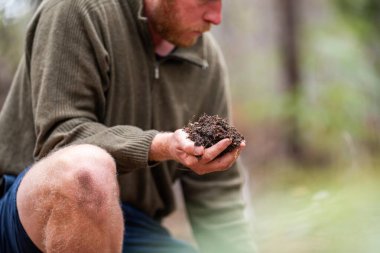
[202, 160]
[218, 164]
[212, 152]
[187, 145]
[188, 160]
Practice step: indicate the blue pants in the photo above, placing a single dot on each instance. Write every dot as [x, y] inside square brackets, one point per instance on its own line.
[142, 233]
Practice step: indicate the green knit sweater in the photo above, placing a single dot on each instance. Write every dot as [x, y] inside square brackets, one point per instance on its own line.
[90, 75]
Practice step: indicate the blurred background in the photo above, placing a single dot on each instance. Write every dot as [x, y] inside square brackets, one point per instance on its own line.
[305, 79]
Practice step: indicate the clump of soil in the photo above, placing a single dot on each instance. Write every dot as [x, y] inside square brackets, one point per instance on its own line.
[208, 130]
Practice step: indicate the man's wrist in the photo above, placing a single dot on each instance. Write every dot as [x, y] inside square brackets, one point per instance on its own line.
[159, 148]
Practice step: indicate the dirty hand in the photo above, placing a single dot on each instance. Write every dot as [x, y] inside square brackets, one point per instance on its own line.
[176, 146]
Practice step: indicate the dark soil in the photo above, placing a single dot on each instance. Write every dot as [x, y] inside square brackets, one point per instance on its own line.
[208, 130]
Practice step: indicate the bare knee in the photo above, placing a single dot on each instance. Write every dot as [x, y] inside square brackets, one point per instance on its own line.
[74, 180]
[83, 156]
[86, 174]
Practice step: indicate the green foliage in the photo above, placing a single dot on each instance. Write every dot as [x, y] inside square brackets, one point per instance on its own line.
[14, 17]
[331, 210]
[364, 14]
[339, 87]
[364, 17]
[339, 92]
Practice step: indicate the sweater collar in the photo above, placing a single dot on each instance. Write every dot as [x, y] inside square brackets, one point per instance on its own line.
[194, 54]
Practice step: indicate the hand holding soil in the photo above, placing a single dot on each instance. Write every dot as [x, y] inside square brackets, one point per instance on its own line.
[208, 145]
[209, 130]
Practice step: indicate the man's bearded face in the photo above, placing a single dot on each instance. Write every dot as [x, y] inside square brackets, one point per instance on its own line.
[174, 23]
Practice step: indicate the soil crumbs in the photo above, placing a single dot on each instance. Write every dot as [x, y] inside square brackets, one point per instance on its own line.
[208, 130]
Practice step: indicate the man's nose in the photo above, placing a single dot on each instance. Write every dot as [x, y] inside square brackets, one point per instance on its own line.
[213, 13]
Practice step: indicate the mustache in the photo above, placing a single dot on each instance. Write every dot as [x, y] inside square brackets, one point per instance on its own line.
[204, 28]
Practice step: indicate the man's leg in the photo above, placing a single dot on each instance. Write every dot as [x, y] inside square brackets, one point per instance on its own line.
[69, 202]
[145, 235]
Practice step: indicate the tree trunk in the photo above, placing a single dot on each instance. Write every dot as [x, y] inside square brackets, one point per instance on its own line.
[289, 37]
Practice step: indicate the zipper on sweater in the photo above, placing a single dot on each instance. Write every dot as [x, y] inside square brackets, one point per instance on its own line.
[157, 70]
[157, 63]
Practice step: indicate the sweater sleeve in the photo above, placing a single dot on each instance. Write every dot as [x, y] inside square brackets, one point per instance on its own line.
[214, 201]
[69, 74]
